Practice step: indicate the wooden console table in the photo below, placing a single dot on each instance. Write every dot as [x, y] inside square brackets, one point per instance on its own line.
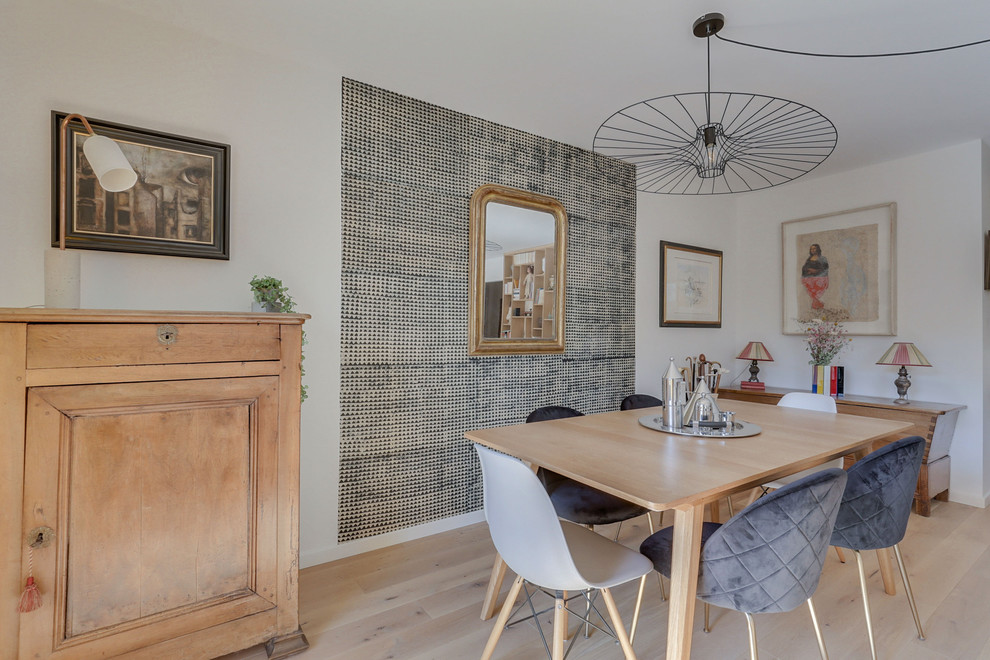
[935, 422]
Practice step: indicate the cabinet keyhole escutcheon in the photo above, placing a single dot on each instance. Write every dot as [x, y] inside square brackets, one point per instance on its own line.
[167, 334]
[41, 537]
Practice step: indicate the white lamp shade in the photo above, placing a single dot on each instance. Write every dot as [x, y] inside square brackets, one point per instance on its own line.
[109, 164]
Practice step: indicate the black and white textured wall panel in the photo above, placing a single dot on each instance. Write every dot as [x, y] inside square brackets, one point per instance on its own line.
[409, 391]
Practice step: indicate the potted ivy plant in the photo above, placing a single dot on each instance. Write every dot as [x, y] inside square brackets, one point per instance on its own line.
[270, 295]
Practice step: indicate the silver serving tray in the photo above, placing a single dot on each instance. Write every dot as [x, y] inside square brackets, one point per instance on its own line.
[739, 429]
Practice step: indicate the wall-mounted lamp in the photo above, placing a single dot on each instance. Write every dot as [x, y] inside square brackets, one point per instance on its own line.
[115, 174]
[905, 354]
[756, 352]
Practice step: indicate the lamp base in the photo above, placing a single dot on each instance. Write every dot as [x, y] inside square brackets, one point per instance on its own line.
[62, 269]
[902, 383]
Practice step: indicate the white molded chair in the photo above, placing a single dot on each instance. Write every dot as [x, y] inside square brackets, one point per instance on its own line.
[806, 401]
[554, 554]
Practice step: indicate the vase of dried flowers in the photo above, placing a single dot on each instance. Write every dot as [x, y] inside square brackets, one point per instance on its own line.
[825, 340]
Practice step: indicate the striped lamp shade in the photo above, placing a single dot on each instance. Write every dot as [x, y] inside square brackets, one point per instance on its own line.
[755, 350]
[904, 353]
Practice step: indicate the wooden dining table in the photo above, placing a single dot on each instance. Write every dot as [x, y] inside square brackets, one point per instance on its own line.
[664, 471]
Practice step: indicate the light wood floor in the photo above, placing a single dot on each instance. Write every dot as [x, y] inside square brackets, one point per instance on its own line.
[421, 600]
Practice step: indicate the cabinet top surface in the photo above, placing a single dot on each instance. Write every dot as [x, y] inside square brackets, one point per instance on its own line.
[859, 400]
[45, 315]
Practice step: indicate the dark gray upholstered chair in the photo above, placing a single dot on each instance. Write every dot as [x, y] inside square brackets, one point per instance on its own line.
[875, 510]
[769, 557]
[573, 500]
[637, 401]
[582, 504]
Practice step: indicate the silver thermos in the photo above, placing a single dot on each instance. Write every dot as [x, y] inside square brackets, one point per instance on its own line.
[672, 387]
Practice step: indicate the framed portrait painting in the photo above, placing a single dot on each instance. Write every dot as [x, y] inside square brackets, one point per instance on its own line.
[178, 207]
[841, 267]
[690, 286]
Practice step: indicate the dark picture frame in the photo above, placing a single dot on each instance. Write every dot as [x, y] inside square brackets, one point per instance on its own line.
[690, 286]
[179, 207]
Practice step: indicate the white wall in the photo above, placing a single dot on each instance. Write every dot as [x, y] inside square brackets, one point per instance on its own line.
[702, 221]
[985, 152]
[939, 292]
[283, 123]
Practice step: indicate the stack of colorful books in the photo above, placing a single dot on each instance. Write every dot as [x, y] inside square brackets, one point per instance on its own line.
[828, 380]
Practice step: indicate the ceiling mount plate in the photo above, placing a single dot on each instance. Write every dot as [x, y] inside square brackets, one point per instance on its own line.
[708, 25]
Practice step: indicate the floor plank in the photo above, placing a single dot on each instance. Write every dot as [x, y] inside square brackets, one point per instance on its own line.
[420, 601]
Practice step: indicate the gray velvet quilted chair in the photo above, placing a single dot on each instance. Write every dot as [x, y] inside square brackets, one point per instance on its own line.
[875, 510]
[769, 557]
[637, 401]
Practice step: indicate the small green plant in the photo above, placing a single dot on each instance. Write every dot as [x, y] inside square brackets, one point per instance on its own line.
[271, 293]
[274, 296]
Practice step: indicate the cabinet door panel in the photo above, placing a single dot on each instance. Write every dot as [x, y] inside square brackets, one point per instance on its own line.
[159, 506]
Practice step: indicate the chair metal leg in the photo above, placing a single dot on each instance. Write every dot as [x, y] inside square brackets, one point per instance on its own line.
[618, 529]
[907, 590]
[639, 604]
[866, 602]
[503, 617]
[818, 630]
[708, 626]
[753, 653]
[663, 592]
[620, 630]
[587, 614]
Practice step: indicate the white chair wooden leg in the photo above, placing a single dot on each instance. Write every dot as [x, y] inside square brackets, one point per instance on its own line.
[818, 630]
[639, 604]
[620, 630]
[866, 603]
[907, 590]
[494, 586]
[503, 618]
[559, 626]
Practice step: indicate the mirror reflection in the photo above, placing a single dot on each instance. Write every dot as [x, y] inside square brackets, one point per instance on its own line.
[517, 251]
[519, 272]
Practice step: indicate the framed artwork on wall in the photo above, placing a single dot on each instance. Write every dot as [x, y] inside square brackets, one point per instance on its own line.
[841, 267]
[690, 286]
[178, 207]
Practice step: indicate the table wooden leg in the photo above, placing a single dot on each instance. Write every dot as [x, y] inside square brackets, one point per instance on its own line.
[886, 571]
[686, 554]
[494, 586]
[713, 508]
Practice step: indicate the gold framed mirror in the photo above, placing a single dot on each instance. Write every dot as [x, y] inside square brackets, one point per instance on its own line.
[518, 259]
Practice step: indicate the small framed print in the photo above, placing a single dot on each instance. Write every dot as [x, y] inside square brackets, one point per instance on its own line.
[178, 207]
[690, 286]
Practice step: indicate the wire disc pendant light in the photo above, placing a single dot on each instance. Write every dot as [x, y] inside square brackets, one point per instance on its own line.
[710, 143]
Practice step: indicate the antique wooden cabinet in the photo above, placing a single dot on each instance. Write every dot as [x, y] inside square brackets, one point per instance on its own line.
[935, 422]
[149, 475]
